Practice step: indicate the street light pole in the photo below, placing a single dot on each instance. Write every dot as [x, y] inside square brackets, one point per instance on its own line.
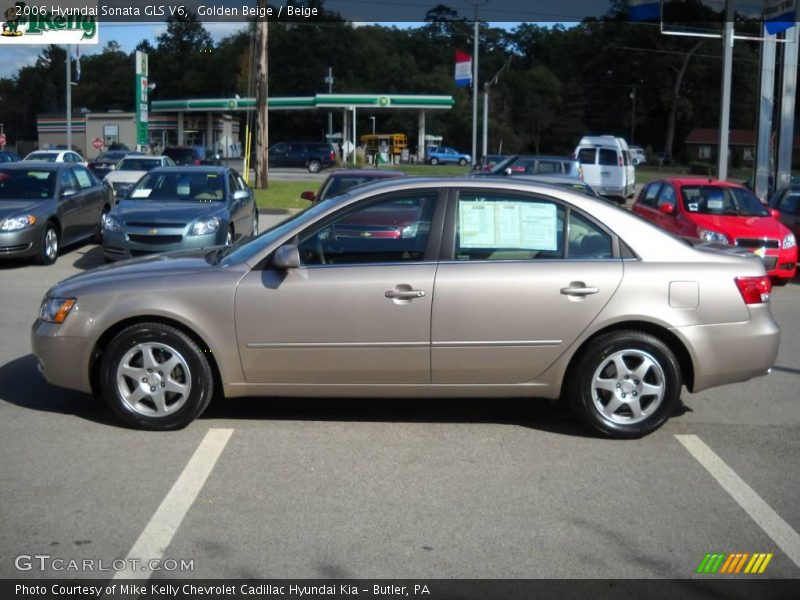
[486, 86]
[69, 98]
[329, 81]
[476, 33]
[725, 104]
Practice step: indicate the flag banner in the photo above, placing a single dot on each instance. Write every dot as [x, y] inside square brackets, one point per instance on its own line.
[644, 10]
[463, 69]
[779, 15]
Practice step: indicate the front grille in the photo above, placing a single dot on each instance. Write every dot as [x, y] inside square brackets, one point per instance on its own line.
[770, 262]
[156, 225]
[15, 248]
[155, 240]
[757, 243]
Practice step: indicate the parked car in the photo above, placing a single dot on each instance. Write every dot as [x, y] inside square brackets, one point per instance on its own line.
[342, 180]
[563, 181]
[130, 169]
[627, 314]
[787, 203]
[6, 156]
[524, 164]
[107, 161]
[180, 208]
[607, 166]
[65, 156]
[638, 155]
[183, 155]
[46, 206]
[488, 162]
[446, 155]
[720, 211]
[314, 156]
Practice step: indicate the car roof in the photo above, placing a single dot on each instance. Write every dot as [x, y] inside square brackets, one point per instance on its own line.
[543, 156]
[680, 181]
[374, 173]
[24, 165]
[191, 169]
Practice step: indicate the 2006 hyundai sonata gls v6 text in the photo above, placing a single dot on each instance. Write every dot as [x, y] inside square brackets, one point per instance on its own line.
[424, 288]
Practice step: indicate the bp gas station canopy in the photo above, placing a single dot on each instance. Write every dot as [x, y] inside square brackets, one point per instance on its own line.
[348, 103]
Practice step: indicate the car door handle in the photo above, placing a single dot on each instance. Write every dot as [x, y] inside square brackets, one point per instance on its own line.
[578, 288]
[404, 294]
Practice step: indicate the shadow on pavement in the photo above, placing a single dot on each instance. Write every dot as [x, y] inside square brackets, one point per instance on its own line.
[89, 257]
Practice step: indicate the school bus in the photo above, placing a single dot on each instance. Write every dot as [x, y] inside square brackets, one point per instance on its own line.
[393, 143]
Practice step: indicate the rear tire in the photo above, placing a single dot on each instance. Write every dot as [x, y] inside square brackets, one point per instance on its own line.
[314, 166]
[462, 162]
[434, 161]
[155, 377]
[97, 238]
[625, 384]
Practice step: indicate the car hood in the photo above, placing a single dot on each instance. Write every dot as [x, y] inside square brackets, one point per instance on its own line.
[742, 227]
[10, 208]
[152, 211]
[124, 176]
[170, 264]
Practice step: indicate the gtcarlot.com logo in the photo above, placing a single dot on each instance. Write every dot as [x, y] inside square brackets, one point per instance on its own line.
[46, 562]
[734, 563]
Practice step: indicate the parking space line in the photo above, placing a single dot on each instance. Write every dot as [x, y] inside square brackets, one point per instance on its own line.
[773, 525]
[158, 533]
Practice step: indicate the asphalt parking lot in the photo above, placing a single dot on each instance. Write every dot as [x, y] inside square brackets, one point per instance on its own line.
[289, 488]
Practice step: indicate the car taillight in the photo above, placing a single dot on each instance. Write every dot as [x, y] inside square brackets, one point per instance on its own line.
[197, 161]
[619, 160]
[754, 290]
[333, 156]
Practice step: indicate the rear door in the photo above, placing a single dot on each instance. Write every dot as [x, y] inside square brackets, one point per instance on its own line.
[279, 155]
[515, 286]
[93, 199]
[587, 156]
[612, 172]
[646, 205]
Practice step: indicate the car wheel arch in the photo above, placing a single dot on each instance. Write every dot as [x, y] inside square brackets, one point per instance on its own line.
[673, 342]
[105, 338]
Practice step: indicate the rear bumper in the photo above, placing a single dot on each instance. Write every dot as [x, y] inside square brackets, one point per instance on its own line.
[732, 352]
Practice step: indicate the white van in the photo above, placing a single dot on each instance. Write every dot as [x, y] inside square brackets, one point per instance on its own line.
[607, 165]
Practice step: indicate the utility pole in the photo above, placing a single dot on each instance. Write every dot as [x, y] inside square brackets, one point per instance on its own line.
[476, 33]
[262, 138]
[725, 103]
[486, 86]
[69, 97]
[329, 81]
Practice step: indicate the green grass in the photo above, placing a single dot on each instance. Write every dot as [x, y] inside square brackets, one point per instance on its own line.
[431, 170]
[285, 195]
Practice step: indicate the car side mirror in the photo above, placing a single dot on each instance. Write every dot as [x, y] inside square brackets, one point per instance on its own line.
[241, 195]
[287, 257]
[66, 193]
[667, 209]
[776, 214]
[310, 196]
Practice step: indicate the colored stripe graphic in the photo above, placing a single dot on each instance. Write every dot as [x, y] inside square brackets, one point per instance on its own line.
[734, 562]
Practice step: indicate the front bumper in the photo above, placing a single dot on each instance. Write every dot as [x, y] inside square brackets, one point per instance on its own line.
[120, 245]
[732, 352]
[63, 360]
[21, 243]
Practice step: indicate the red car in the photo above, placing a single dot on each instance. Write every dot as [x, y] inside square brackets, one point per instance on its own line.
[718, 211]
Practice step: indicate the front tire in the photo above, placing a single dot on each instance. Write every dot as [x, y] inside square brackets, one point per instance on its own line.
[462, 162]
[48, 247]
[434, 161]
[314, 166]
[626, 384]
[155, 377]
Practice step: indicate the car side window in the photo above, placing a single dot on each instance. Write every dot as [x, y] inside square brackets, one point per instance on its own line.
[391, 230]
[650, 195]
[586, 240]
[587, 155]
[233, 186]
[667, 196]
[505, 227]
[67, 180]
[548, 167]
[790, 203]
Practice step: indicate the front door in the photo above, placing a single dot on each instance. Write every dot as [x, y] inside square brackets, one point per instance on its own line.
[358, 310]
[527, 276]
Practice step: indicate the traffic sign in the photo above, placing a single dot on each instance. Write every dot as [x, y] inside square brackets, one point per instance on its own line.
[2, 139]
[97, 143]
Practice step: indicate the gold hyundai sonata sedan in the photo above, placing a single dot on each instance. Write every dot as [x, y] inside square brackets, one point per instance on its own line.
[420, 288]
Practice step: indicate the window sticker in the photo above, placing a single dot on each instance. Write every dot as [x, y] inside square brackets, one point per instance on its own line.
[694, 207]
[142, 193]
[83, 178]
[715, 204]
[523, 225]
[39, 174]
[184, 188]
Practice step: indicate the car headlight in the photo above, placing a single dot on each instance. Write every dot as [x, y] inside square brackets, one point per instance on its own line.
[111, 223]
[55, 310]
[789, 241]
[712, 236]
[205, 226]
[17, 223]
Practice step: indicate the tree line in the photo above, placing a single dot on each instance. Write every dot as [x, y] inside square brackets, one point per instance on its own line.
[601, 76]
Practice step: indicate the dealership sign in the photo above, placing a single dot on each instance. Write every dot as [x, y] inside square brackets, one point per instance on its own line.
[57, 24]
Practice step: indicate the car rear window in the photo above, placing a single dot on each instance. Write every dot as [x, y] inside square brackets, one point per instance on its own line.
[45, 156]
[586, 156]
[608, 157]
[138, 164]
[179, 153]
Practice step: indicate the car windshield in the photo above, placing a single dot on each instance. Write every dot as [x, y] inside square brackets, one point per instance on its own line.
[138, 164]
[182, 186]
[26, 184]
[45, 156]
[717, 200]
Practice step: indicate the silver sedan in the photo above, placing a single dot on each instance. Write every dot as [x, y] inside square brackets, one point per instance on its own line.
[426, 288]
